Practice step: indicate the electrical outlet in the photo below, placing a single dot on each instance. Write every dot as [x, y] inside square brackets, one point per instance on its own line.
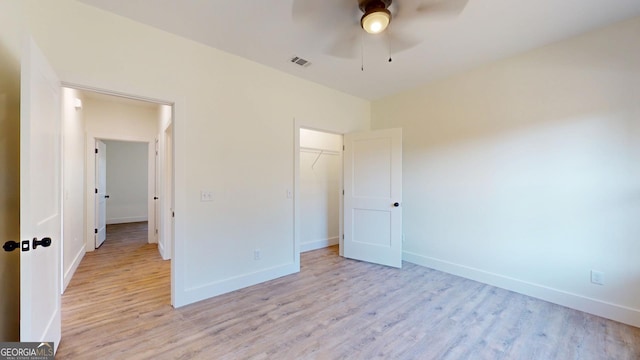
[597, 277]
[206, 196]
[256, 254]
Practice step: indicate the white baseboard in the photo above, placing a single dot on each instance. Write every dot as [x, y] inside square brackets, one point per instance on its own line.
[68, 274]
[597, 307]
[162, 252]
[192, 295]
[124, 220]
[318, 244]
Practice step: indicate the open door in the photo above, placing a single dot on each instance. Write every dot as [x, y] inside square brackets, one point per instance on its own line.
[101, 195]
[373, 197]
[156, 194]
[168, 201]
[40, 200]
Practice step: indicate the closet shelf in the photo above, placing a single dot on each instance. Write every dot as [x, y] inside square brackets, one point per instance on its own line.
[320, 152]
[317, 150]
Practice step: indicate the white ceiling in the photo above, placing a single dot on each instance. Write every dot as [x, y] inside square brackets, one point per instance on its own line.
[263, 31]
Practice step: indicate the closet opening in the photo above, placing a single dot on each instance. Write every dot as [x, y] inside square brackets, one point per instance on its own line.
[319, 180]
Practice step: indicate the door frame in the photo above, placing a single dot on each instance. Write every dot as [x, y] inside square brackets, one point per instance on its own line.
[90, 176]
[296, 188]
[179, 191]
[97, 177]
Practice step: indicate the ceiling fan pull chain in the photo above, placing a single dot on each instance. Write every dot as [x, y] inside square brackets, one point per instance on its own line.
[361, 52]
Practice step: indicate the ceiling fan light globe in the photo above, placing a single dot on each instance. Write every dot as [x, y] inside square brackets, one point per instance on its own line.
[376, 21]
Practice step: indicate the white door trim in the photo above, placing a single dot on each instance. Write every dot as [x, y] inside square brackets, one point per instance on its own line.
[90, 180]
[179, 295]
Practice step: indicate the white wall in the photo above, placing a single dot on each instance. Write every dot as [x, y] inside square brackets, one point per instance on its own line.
[233, 133]
[320, 189]
[73, 142]
[114, 118]
[525, 173]
[9, 195]
[127, 181]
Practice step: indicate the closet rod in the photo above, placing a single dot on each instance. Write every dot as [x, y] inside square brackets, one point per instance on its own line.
[315, 150]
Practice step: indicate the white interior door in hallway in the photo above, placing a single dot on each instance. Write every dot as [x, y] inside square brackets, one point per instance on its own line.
[101, 193]
[40, 199]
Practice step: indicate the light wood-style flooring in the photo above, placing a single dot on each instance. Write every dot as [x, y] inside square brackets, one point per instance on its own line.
[117, 307]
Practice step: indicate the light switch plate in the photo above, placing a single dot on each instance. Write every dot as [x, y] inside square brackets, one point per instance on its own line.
[206, 196]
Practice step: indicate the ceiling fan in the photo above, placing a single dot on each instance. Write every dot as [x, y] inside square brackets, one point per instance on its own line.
[347, 22]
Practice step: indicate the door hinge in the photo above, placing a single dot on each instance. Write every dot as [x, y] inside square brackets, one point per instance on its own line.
[342, 236]
[342, 192]
[342, 147]
[95, 231]
[156, 231]
[96, 151]
[96, 190]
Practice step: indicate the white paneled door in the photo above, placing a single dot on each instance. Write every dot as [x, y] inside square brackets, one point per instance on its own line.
[373, 196]
[40, 200]
[101, 192]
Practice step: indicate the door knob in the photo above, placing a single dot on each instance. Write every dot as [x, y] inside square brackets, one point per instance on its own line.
[45, 242]
[11, 245]
[106, 196]
[155, 198]
[396, 204]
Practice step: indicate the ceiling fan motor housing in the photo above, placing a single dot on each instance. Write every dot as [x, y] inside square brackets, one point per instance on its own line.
[373, 5]
[376, 12]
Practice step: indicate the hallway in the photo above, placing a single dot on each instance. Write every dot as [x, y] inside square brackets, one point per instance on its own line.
[133, 284]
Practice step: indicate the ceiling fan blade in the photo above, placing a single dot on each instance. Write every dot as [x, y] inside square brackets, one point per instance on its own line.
[397, 43]
[442, 7]
[347, 43]
[409, 11]
[326, 14]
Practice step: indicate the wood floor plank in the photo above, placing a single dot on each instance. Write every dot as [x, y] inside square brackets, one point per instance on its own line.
[117, 306]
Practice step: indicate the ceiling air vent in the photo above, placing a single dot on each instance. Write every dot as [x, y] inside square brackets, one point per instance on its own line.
[300, 61]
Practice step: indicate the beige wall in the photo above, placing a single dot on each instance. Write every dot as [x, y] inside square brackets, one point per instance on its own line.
[73, 184]
[127, 181]
[233, 133]
[116, 118]
[525, 173]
